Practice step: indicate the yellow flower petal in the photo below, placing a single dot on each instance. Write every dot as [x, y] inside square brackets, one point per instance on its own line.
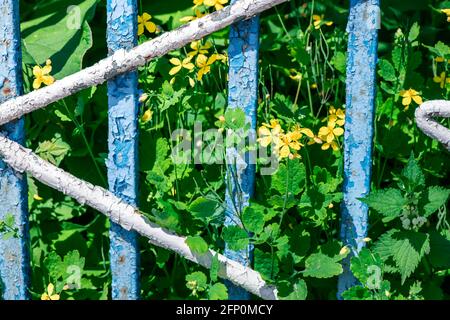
[338, 132]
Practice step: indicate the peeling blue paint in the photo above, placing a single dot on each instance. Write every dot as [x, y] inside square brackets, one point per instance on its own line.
[14, 252]
[242, 93]
[362, 27]
[123, 149]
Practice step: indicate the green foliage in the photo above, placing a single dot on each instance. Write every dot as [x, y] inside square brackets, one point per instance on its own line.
[293, 219]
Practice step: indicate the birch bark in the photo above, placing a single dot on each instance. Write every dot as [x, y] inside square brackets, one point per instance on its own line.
[424, 119]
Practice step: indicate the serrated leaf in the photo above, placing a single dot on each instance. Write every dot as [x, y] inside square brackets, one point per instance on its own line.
[386, 70]
[196, 281]
[266, 264]
[388, 202]
[235, 237]
[436, 197]
[413, 175]
[253, 219]
[439, 249]
[289, 178]
[319, 265]
[364, 265]
[197, 244]
[218, 292]
[357, 293]
[406, 248]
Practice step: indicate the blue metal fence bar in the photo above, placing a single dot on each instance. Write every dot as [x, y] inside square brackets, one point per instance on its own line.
[242, 93]
[123, 149]
[14, 252]
[363, 25]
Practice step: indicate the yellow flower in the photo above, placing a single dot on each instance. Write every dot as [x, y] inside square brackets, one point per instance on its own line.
[288, 141]
[147, 116]
[330, 132]
[337, 116]
[315, 139]
[267, 136]
[273, 123]
[204, 63]
[447, 12]
[198, 15]
[318, 21]
[344, 250]
[37, 197]
[218, 4]
[144, 22]
[49, 294]
[198, 3]
[442, 80]
[302, 131]
[409, 96]
[198, 48]
[186, 63]
[42, 75]
[222, 58]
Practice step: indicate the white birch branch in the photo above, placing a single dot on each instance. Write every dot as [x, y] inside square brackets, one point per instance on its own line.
[425, 115]
[24, 160]
[123, 61]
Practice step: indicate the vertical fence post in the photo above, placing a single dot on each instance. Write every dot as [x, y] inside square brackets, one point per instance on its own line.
[243, 94]
[363, 25]
[123, 149]
[14, 252]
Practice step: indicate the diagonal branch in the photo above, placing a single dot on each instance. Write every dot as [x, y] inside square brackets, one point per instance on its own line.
[24, 160]
[123, 61]
[425, 115]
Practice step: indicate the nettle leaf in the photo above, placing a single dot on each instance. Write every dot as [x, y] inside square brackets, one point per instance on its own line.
[388, 202]
[218, 291]
[253, 219]
[387, 71]
[435, 198]
[197, 244]
[54, 150]
[413, 175]
[289, 178]
[319, 265]
[235, 237]
[406, 248]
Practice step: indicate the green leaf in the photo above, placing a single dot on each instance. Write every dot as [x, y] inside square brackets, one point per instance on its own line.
[214, 270]
[218, 292]
[197, 244]
[235, 237]
[388, 202]
[196, 281]
[253, 219]
[339, 61]
[436, 197]
[406, 248]
[319, 265]
[365, 265]
[54, 150]
[289, 178]
[65, 41]
[300, 291]
[413, 175]
[387, 70]
[203, 208]
[266, 264]
[414, 32]
[357, 293]
[234, 118]
[439, 249]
